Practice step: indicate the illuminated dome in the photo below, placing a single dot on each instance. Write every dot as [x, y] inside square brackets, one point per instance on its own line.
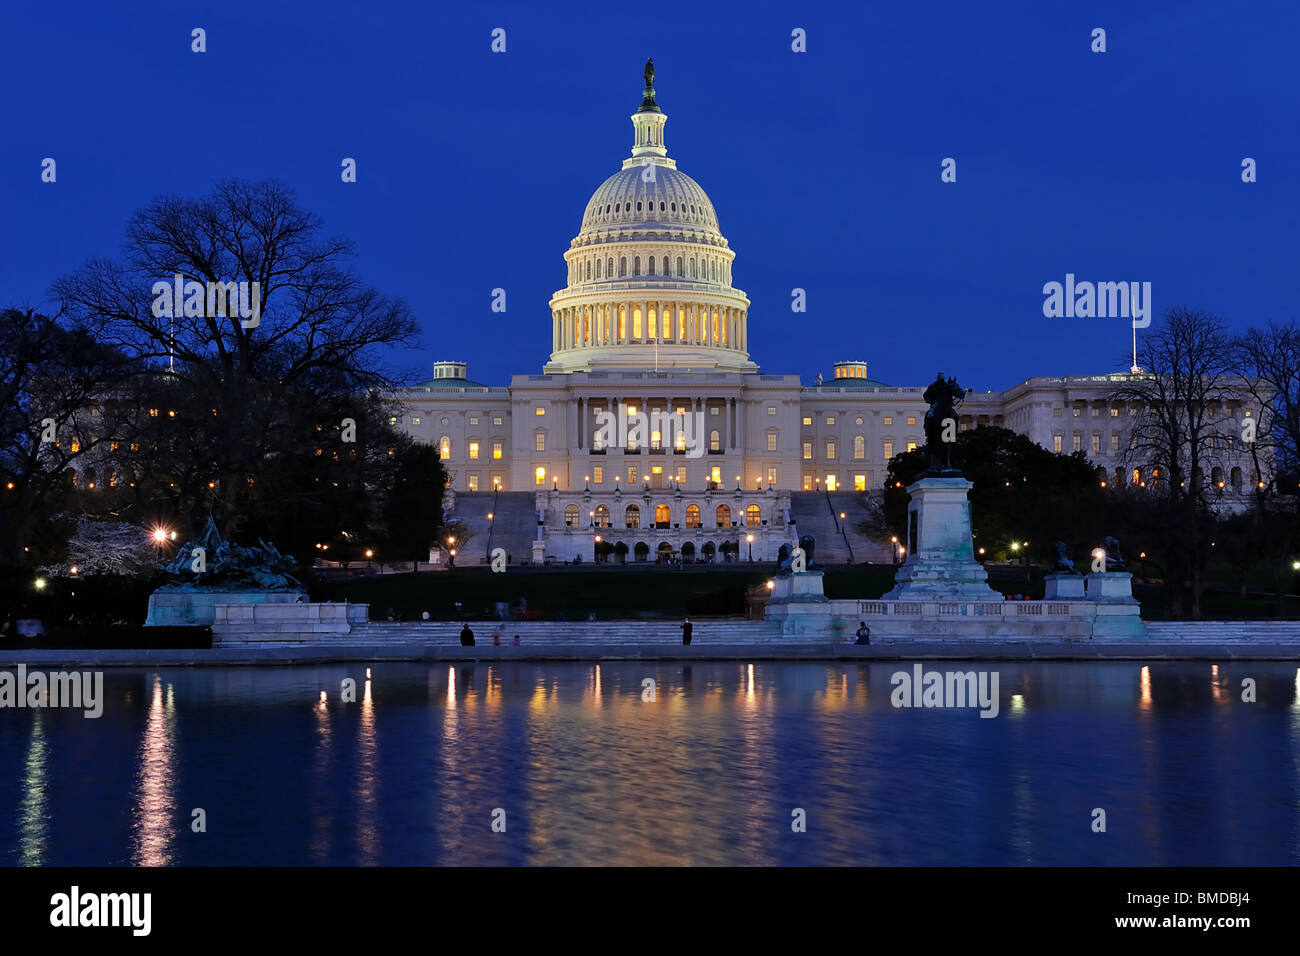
[649, 272]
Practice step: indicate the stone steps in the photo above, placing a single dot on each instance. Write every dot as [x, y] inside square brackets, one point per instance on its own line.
[555, 632]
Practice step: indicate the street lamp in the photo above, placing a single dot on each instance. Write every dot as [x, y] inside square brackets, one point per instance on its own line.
[894, 540]
[750, 539]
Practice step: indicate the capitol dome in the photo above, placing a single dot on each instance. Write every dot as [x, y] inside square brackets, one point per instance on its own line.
[649, 281]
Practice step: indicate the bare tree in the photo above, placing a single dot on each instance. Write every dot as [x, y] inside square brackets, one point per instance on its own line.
[1180, 436]
[243, 388]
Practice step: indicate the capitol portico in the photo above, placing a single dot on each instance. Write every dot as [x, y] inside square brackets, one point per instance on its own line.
[649, 327]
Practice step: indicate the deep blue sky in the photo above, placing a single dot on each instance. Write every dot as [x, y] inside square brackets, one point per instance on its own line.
[474, 167]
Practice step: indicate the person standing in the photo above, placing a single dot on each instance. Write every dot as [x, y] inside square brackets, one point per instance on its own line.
[466, 637]
[686, 632]
[864, 633]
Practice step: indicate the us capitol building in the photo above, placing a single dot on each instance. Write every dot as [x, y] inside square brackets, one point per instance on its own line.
[648, 334]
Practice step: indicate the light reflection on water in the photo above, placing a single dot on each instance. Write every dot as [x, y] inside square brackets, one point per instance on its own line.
[584, 770]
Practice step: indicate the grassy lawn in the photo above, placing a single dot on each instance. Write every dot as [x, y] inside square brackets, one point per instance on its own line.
[647, 592]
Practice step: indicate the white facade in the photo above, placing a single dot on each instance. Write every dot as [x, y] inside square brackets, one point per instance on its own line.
[649, 322]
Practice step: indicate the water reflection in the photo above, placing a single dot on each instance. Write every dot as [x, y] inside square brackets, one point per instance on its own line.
[33, 816]
[155, 829]
[590, 770]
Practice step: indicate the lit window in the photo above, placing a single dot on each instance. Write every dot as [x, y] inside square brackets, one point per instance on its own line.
[496, 419]
[571, 516]
[832, 483]
[911, 446]
[911, 420]
[807, 451]
[1096, 442]
[889, 419]
[1076, 442]
[539, 441]
[753, 516]
[539, 411]
[444, 447]
[830, 419]
[889, 450]
[539, 476]
[830, 451]
[807, 482]
[859, 446]
[693, 516]
[807, 420]
[715, 441]
[771, 409]
[1076, 411]
[681, 474]
[1056, 443]
[598, 474]
[473, 451]
[1114, 413]
[631, 474]
[415, 420]
[496, 451]
[715, 474]
[76, 445]
[771, 441]
[771, 477]
[859, 482]
[153, 413]
[473, 482]
[473, 419]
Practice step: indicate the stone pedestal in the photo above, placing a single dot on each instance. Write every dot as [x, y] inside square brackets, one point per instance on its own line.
[797, 586]
[1119, 615]
[539, 552]
[181, 607]
[1063, 587]
[941, 563]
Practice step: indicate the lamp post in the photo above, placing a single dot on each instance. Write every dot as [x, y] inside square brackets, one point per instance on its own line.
[749, 538]
[894, 541]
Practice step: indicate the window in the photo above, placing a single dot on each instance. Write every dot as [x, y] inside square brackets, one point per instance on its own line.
[832, 483]
[807, 419]
[1096, 411]
[889, 450]
[1056, 412]
[1114, 442]
[1076, 411]
[444, 448]
[631, 474]
[807, 451]
[889, 419]
[473, 419]
[539, 476]
[723, 516]
[153, 413]
[715, 410]
[473, 451]
[539, 411]
[415, 420]
[496, 479]
[911, 446]
[859, 447]
[473, 482]
[571, 516]
[602, 516]
[807, 482]
[693, 516]
[715, 474]
[1114, 413]
[715, 441]
[632, 516]
[1075, 442]
[663, 518]
[496, 451]
[858, 420]
[771, 441]
[911, 419]
[1056, 443]
[830, 419]
[771, 476]
[1096, 442]
[681, 474]
[539, 441]
[496, 420]
[598, 474]
[771, 409]
[859, 482]
[830, 451]
[753, 516]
